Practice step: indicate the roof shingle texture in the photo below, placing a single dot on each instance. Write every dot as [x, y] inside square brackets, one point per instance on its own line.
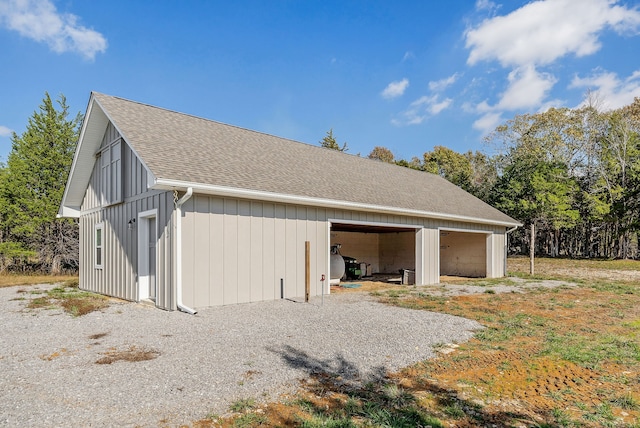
[181, 147]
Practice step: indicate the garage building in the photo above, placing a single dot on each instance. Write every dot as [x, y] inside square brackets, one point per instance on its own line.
[186, 212]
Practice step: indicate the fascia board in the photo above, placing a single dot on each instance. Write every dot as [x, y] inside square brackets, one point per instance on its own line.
[78, 181]
[167, 184]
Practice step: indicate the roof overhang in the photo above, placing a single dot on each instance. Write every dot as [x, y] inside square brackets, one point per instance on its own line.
[167, 184]
[93, 128]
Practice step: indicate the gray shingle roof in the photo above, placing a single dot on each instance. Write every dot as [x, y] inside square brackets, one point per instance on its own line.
[185, 148]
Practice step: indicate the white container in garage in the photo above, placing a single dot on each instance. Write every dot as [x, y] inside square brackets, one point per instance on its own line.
[336, 266]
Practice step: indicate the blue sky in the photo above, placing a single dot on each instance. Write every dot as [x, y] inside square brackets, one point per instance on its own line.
[407, 75]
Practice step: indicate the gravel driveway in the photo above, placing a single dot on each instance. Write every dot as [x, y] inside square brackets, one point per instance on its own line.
[49, 376]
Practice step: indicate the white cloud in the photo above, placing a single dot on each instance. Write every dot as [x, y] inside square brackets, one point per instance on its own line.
[421, 109]
[542, 31]
[395, 89]
[609, 88]
[407, 56]
[5, 132]
[486, 5]
[488, 122]
[527, 89]
[40, 21]
[442, 84]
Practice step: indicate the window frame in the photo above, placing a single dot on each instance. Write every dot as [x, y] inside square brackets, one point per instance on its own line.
[98, 246]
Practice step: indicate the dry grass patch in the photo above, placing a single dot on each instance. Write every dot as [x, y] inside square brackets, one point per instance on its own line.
[132, 355]
[11, 280]
[609, 270]
[68, 297]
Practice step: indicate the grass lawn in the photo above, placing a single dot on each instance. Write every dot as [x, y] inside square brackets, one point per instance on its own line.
[559, 357]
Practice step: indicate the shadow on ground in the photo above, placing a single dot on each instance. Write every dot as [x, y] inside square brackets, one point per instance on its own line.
[336, 393]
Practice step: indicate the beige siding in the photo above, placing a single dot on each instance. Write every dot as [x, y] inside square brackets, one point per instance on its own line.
[250, 248]
[237, 251]
[496, 246]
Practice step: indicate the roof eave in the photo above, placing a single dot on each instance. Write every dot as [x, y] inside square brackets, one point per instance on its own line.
[169, 184]
[68, 212]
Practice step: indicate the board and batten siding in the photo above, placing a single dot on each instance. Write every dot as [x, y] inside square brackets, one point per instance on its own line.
[237, 251]
[119, 273]
[134, 174]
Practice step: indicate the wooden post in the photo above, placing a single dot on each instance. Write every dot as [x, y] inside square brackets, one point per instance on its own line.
[532, 247]
[307, 270]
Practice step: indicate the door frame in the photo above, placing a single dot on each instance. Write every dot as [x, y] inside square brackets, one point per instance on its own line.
[489, 256]
[143, 253]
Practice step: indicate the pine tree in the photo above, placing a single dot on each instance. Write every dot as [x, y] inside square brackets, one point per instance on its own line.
[33, 183]
[329, 142]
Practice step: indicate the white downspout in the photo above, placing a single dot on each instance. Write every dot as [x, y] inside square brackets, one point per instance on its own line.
[506, 247]
[185, 198]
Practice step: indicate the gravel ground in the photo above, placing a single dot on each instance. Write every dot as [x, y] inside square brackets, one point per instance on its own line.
[204, 363]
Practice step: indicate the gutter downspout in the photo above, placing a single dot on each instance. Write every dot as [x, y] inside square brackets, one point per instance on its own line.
[185, 198]
[506, 246]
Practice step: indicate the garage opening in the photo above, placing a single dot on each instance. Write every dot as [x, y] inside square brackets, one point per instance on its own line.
[375, 252]
[463, 254]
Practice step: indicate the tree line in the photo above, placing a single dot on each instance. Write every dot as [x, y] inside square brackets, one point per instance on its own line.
[572, 174]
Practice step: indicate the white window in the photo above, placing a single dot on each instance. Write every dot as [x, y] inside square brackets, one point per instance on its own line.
[99, 245]
[111, 173]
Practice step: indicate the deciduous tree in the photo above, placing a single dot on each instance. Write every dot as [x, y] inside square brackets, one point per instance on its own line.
[382, 154]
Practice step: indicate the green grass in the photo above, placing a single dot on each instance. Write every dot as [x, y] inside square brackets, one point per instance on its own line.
[317, 421]
[589, 351]
[250, 420]
[242, 405]
[626, 402]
